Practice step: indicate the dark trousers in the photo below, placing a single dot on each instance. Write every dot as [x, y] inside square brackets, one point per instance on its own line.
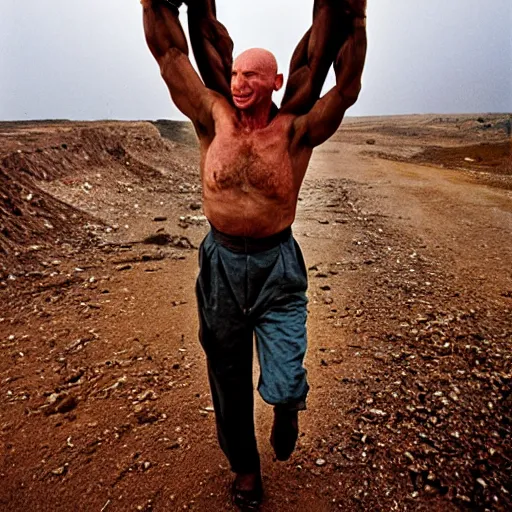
[250, 287]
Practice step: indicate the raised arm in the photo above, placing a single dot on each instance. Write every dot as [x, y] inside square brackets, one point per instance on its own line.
[212, 46]
[325, 117]
[167, 42]
[317, 51]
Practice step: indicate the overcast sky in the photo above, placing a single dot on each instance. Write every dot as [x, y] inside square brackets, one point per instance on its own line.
[87, 59]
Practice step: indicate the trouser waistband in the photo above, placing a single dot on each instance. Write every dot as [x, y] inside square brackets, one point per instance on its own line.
[249, 245]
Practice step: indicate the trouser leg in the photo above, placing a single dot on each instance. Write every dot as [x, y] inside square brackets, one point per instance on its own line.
[282, 343]
[228, 344]
[230, 376]
[280, 326]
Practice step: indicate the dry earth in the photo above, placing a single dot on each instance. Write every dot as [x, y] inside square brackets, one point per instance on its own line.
[406, 226]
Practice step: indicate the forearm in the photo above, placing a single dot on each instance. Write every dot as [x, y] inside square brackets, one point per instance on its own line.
[349, 63]
[162, 28]
[314, 56]
[212, 45]
[325, 117]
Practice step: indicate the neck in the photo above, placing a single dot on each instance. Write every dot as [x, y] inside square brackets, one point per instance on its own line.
[256, 118]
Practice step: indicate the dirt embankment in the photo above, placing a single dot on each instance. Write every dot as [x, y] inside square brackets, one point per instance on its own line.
[31, 218]
[478, 145]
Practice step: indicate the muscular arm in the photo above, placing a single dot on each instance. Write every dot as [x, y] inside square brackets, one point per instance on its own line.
[212, 46]
[325, 117]
[167, 42]
[317, 50]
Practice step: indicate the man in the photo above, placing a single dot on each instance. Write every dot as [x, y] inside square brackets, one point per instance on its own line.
[254, 157]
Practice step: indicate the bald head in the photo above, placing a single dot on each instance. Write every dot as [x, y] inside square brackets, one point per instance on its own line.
[254, 79]
[258, 58]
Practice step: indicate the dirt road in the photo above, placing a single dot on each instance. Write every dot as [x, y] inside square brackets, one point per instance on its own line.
[104, 402]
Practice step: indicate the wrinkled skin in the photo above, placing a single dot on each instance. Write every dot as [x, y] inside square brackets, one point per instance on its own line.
[254, 78]
[253, 160]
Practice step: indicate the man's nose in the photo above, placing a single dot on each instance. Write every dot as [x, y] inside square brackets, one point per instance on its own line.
[237, 82]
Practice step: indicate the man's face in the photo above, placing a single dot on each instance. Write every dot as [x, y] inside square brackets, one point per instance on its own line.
[254, 78]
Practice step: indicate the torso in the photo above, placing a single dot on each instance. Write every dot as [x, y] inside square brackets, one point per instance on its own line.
[251, 179]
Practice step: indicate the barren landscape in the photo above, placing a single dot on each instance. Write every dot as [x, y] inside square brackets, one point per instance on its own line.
[406, 227]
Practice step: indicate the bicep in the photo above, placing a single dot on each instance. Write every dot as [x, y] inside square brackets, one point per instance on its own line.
[187, 90]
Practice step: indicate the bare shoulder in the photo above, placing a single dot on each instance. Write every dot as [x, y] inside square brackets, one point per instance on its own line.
[218, 113]
[222, 110]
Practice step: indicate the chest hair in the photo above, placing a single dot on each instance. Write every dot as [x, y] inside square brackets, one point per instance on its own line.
[246, 170]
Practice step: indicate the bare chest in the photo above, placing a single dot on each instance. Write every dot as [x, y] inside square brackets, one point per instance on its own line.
[256, 162]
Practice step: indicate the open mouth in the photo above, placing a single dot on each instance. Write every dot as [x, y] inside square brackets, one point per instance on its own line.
[242, 98]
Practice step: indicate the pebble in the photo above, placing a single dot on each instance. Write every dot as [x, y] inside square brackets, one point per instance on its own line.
[60, 471]
[320, 462]
[482, 482]
[409, 455]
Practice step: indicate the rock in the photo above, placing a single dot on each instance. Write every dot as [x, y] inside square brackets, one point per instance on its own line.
[145, 415]
[320, 462]
[482, 482]
[147, 395]
[325, 287]
[160, 218]
[370, 142]
[195, 206]
[158, 239]
[60, 471]
[159, 256]
[166, 239]
[60, 403]
[378, 412]
[68, 404]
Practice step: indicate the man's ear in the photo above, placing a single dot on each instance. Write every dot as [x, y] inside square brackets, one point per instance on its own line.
[279, 82]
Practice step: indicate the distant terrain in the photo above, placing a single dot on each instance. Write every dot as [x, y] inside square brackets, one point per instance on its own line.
[406, 226]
